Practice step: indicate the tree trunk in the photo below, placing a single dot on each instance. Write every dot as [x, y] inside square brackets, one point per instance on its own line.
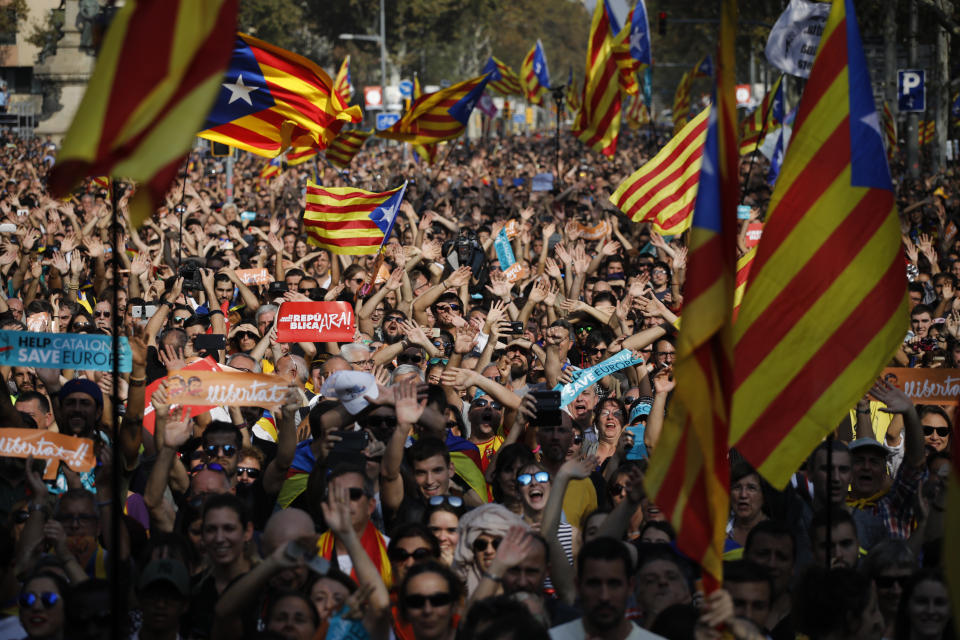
[913, 143]
[942, 66]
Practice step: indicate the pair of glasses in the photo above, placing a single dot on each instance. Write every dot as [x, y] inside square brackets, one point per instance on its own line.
[453, 306]
[393, 319]
[409, 358]
[577, 439]
[248, 334]
[481, 544]
[373, 422]
[887, 582]
[616, 413]
[402, 555]
[355, 493]
[76, 518]
[660, 271]
[228, 450]
[419, 601]
[81, 326]
[21, 516]
[252, 472]
[482, 403]
[101, 314]
[593, 351]
[629, 400]
[442, 361]
[440, 344]
[179, 319]
[358, 280]
[617, 489]
[363, 363]
[453, 501]
[212, 466]
[525, 479]
[943, 432]
[48, 599]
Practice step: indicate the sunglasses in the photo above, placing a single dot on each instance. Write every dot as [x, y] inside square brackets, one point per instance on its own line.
[402, 555]
[448, 307]
[179, 319]
[629, 400]
[48, 599]
[527, 478]
[81, 326]
[483, 402]
[481, 544]
[251, 472]
[453, 501]
[101, 314]
[248, 334]
[442, 361]
[440, 344]
[617, 489]
[577, 439]
[76, 518]
[408, 358]
[373, 422]
[887, 582]
[355, 493]
[358, 280]
[592, 351]
[418, 601]
[393, 318]
[228, 450]
[943, 432]
[212, 466]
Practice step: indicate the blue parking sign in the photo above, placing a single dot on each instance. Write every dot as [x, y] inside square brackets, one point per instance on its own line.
[387, 120]
[911, 90]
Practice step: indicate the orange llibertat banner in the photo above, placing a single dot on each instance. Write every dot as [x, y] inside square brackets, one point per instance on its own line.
[926, 386]
[225, 388]
[76, 453]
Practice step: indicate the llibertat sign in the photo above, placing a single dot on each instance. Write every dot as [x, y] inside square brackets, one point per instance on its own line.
[225, 389]
[76, 453]
[926, 386]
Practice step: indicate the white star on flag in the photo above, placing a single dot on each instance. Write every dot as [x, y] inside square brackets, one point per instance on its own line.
[239, 91]
[636, 39]
[872, 121]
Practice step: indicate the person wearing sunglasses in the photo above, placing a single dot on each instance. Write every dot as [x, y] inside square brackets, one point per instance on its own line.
[249, 466]
[486, 418]
[936, 427]
[448, 300]
[611, 418]
[411, 544]
[481, 531]
[442, 519]
[889, 565]
[429, 601]
[221, 443]
[354, 277]
[42, 608]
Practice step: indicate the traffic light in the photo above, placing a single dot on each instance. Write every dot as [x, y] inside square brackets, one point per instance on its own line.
[219, 150]
[662, 23]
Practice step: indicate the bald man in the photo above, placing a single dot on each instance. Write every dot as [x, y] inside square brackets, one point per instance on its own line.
[282, 528]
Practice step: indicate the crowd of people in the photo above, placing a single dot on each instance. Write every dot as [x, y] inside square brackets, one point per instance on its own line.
[451, 499]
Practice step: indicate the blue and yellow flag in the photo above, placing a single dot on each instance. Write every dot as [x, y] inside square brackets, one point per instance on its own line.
[689, 475]
[534, 75]
[271, 99]
[832, 233]
[437, 116]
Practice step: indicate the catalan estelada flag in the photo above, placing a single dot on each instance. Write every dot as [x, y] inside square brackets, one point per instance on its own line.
[831, 234]
[157, 74]
[534, 75]
[889, 131]
[764, 119]
[664, 190]
[926, 131]
[503, 79]
[270, 169]
[573, 94]
[681, 102]
[271, 99]
[689, 475]
[744, 263]
[350, 221]
[426, 152]
[341, 84]
[637, 114]
[299, 155]
[441, 115]
[346, 145]
[598, 122]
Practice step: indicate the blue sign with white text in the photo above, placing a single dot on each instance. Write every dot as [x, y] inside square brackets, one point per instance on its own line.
[911, 90]
[387, 120]
[83, 351]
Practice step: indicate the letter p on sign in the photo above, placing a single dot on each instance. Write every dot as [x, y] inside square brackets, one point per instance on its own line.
[912, 90]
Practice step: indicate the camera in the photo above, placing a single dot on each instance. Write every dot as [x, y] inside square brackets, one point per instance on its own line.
[190, 273]
[277, 289]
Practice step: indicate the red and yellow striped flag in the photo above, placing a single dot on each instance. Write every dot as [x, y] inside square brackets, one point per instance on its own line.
[831, 234]
[342, 150]
[441, 115]
[598, 122]
[889, 131]
[158, 73]
[270, 169]
[926, 131]
[744, 263]
[428, 152]
[534, 75]
[664, 190]
[341, 84]
[681, 103]
[762, 121]
[350, 221]
[271, 99]
[637, 114]
[689, 475]
[503, 79]
[299, 155]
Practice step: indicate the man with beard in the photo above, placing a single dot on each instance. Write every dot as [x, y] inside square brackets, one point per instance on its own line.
[486, 416]
[520, 567]
[603, 584]
[583, 410]
[390, 331]
[519, 359]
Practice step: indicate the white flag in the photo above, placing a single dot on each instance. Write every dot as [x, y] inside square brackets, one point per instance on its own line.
[795, 37]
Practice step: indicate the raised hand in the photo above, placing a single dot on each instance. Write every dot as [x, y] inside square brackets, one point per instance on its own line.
[171, 357]
[526, 213]
[457, 377]
[514, 548]
[497, 311]
[465, 339]
[553, 269]
[579, 468]
[407, 408]
[680, 259]
[663, 381]
[572, 231]
[395, 280]
[499, 285]
[139, 264]
[459, 278]
[431, 250]
[336, 511]
[895, 399]
[414, 332]
[539, 291]
[59, 262]
[610, 248]
[562, 254]
[69, 242]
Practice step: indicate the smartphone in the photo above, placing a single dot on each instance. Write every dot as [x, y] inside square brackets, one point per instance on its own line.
[210, 342]
[143, 311]
[548, 409]
[296, 551]
[435, 332]
[277, 288]
[516, 328]
[8, 227]
[351, 441]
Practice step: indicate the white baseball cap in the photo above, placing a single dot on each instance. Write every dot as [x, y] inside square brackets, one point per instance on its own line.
[350, 387]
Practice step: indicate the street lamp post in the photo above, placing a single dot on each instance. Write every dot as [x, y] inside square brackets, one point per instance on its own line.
[382, 40]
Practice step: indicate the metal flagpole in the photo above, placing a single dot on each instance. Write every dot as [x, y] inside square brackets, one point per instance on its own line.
[116, 621]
